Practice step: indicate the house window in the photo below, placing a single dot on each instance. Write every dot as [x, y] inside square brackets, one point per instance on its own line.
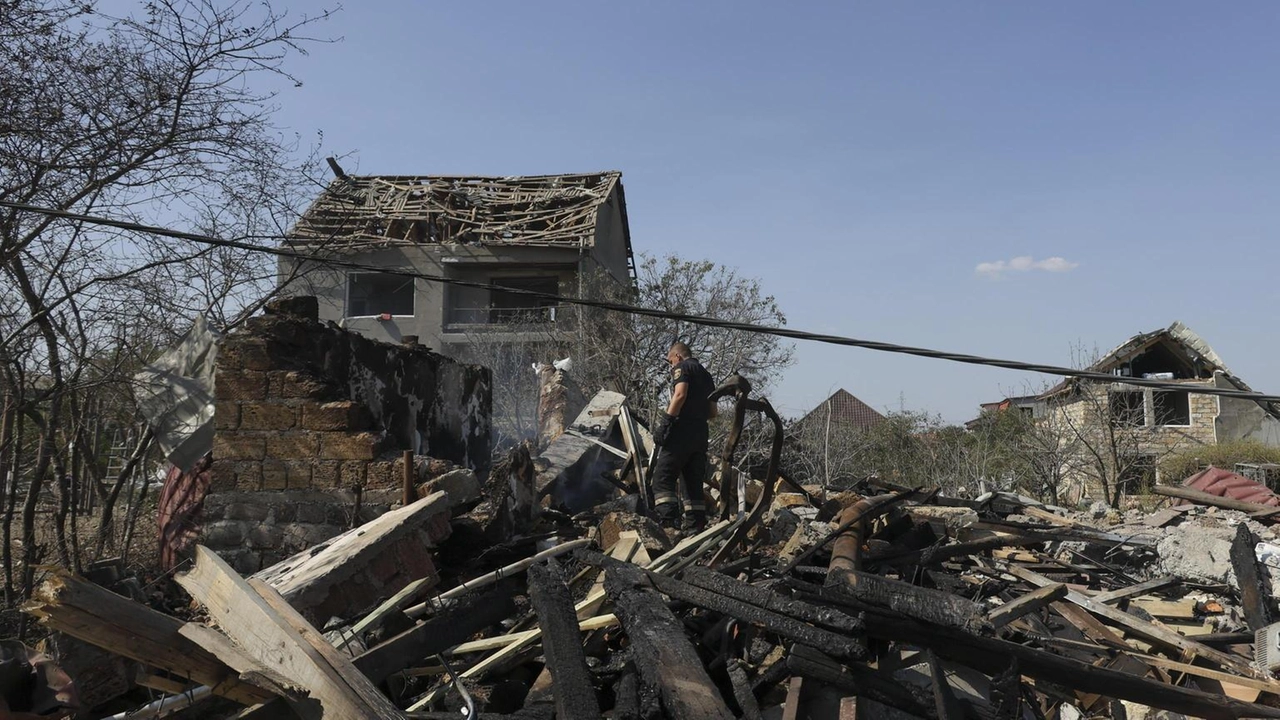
[1172, 407]
[508, 307]
[1127, 409]
[377, 293]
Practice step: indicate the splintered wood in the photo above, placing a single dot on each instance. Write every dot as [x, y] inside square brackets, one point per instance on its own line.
[898, 599]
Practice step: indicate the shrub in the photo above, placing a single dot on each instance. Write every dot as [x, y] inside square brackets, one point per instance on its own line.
[1176, 468]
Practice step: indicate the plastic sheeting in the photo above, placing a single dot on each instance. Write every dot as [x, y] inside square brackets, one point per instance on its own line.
[175, 395]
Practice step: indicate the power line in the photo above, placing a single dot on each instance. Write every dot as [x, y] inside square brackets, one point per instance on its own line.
[661, 314]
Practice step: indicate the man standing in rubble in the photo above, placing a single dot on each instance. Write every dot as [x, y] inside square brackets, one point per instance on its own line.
[681, 437]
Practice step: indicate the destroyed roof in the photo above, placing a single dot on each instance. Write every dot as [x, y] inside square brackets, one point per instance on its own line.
[1195, 351]
[845, 410]
[535, 210]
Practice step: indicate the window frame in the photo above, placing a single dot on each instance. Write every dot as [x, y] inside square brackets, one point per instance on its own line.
[346, 304]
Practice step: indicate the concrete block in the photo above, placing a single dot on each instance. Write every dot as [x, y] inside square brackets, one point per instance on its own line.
[290, 384]
[223, 534]
[222, 477]
[248, 476]
[265, 537]
[312, 513]
[461, 486]
[236, 385]
[352, 474]
[267, 415]
[292, 445]
[226, 415]
[341, 415]
[286, 474]
[244, 353]
[348, 446]
[326, 473]
[381, 474]
[234, 446]
[246, 511]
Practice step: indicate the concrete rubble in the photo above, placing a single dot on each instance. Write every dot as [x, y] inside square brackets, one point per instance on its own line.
[540, 588]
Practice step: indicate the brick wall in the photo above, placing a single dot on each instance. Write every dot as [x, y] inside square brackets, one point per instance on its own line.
[310, 421]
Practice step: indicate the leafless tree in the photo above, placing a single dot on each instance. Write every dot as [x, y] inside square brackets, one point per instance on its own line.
[163, 118]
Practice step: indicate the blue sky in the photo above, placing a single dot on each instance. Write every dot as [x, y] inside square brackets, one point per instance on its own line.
[864, 159]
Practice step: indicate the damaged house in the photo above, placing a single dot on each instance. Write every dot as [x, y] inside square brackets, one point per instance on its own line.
[554, 234]
[1130, 428]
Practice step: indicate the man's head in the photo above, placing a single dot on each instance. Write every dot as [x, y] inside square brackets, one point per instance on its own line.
[677, 352]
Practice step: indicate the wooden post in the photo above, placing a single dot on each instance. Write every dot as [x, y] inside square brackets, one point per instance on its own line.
[410, 492]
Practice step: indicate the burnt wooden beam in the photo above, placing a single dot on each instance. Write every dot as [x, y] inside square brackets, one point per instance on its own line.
[626, 695]
[722, 584]
[1026, 604]
[438, 633]
[1148, 631]
[788, 627]
[991, 656]
[742, 692]
[933, 606]
[863, 681]
[1249, 578]
[665, 659]
[939, 553]
[575, 696]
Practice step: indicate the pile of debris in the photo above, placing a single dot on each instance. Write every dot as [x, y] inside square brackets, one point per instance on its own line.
[547, 592]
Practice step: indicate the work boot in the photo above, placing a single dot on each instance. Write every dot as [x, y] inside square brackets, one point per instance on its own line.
[694, 523]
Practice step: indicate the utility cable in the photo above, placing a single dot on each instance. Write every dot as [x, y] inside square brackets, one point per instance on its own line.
[661, 314]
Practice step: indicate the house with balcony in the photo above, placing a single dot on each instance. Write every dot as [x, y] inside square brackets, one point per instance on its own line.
[551, 234]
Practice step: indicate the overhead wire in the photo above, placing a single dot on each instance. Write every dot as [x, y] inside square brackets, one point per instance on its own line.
[694, 319]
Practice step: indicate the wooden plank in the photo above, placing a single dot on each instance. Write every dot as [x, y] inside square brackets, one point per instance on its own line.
[1026, 604]
[251, 670]
[308, 578]
[791, 708]
[575, 697]
[259, 620]
[1244, 561]
[1253, 684]
[1041, 514]
[89, 612]
[1141, 628]
[1183, 609]
[1114, 596]
[439, 632]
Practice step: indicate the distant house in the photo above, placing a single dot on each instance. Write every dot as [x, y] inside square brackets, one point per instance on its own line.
[548, 233]
[1121, 430]
[1029, 406]
[840, 411]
